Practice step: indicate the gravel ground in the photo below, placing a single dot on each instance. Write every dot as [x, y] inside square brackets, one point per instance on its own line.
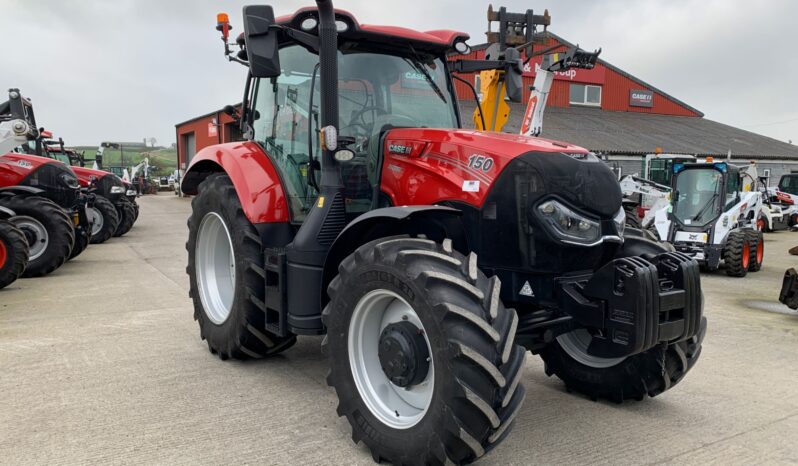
[101, 362]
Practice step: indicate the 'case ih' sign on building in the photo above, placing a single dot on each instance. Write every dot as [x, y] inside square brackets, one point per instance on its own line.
[641, 98]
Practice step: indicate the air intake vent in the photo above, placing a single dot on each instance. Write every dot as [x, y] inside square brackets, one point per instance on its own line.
[334, 222]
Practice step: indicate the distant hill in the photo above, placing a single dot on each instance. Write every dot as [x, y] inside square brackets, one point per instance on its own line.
[162, 158]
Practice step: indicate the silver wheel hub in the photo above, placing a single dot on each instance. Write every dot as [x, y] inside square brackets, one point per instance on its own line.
[36, 234]
[96, 219]
[399, 407]
[215, 268]
[576, 342]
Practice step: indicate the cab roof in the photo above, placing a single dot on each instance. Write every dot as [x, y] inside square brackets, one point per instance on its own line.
[440, 40]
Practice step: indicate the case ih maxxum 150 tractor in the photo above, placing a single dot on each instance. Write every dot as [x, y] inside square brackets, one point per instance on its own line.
[431, 256]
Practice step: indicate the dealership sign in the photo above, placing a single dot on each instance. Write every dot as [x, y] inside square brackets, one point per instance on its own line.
[591, 76]
[641, 98]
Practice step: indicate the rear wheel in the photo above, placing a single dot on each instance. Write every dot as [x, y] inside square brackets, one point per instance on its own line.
[48, 231]
[13, 253]
[422, 353]
[762, 224]
[127, 216]
[104, 220]
[737, 254]
[225, 269]
[645, 374]
[756, 250]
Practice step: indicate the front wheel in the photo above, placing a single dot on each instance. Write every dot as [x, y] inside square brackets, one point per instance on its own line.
[225, 267]
[48, 230]
[422, 353]
[756, 250]
[649, 373]
[127, 216]
[104, 220]
[737, 254]
[13, 253]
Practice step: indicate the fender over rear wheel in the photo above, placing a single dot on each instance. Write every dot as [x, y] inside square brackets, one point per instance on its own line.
[13, 253]
[225, 269]
[422, 353]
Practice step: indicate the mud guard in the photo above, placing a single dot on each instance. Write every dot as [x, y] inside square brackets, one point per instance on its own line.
[436, 222]
[18, 189]
[252, 173]
[6, 213]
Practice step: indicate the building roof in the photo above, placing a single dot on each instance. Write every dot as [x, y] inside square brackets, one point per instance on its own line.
[641, 133]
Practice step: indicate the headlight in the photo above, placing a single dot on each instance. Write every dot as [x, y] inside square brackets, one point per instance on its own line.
[620, 221]
[69, 180]
[567, 225]
[130, 192]
[117, 189]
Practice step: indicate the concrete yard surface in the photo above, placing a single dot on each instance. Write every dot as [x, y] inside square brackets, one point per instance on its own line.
[101, 362]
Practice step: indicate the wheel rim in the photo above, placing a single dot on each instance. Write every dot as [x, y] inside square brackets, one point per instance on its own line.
[760, 251]
[96, 219]
[394, 406]
[35, 233]
[746, 255]
[215, 268]
[576, 342]
[760, 224]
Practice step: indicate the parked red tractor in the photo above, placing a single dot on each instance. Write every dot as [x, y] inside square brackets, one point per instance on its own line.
[358, 208]
[43, 195]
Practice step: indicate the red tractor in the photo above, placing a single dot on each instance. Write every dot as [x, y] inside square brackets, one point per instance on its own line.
[432, 257]
[43, 195]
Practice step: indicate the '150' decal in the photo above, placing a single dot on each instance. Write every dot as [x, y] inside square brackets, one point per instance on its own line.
[480, 162]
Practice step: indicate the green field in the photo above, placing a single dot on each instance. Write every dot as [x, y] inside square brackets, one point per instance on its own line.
[163, 161]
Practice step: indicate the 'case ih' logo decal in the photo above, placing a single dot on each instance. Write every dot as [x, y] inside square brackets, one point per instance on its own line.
[399, 149]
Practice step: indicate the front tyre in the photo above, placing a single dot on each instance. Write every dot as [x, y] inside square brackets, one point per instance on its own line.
[645, 374]
[48, 230]
[13, 253]
[104, 219]
[756, 250]
[225, 269]
[737, 253]
[422, 353]
[127, 216]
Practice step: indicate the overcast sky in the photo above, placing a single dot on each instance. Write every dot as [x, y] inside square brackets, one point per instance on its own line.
[129, 69]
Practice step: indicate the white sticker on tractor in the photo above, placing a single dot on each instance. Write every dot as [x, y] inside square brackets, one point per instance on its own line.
[526, 290]
[471, 186]
[25, 164]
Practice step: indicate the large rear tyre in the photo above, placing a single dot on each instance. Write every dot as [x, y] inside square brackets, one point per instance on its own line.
[737, 254]
[127, 216]
[13, 253]
[649, 373]
[104, 220]
[225, 269]
[48, 231]
[422, 353]
[756, 248]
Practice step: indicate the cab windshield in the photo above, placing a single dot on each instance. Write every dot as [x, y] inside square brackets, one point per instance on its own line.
[789, 184]
[377, 91]
[697, 196]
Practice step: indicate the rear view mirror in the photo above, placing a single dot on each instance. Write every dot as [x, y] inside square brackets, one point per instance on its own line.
[513, 74]
[261, 41]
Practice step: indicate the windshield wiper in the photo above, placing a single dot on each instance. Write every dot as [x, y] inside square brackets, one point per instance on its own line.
[416, 62]
[706, 206]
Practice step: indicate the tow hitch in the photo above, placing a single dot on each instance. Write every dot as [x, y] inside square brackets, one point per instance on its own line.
[634, 303]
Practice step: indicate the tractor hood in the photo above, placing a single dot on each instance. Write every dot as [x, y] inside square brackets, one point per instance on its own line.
[86, 175]
[431, 166]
